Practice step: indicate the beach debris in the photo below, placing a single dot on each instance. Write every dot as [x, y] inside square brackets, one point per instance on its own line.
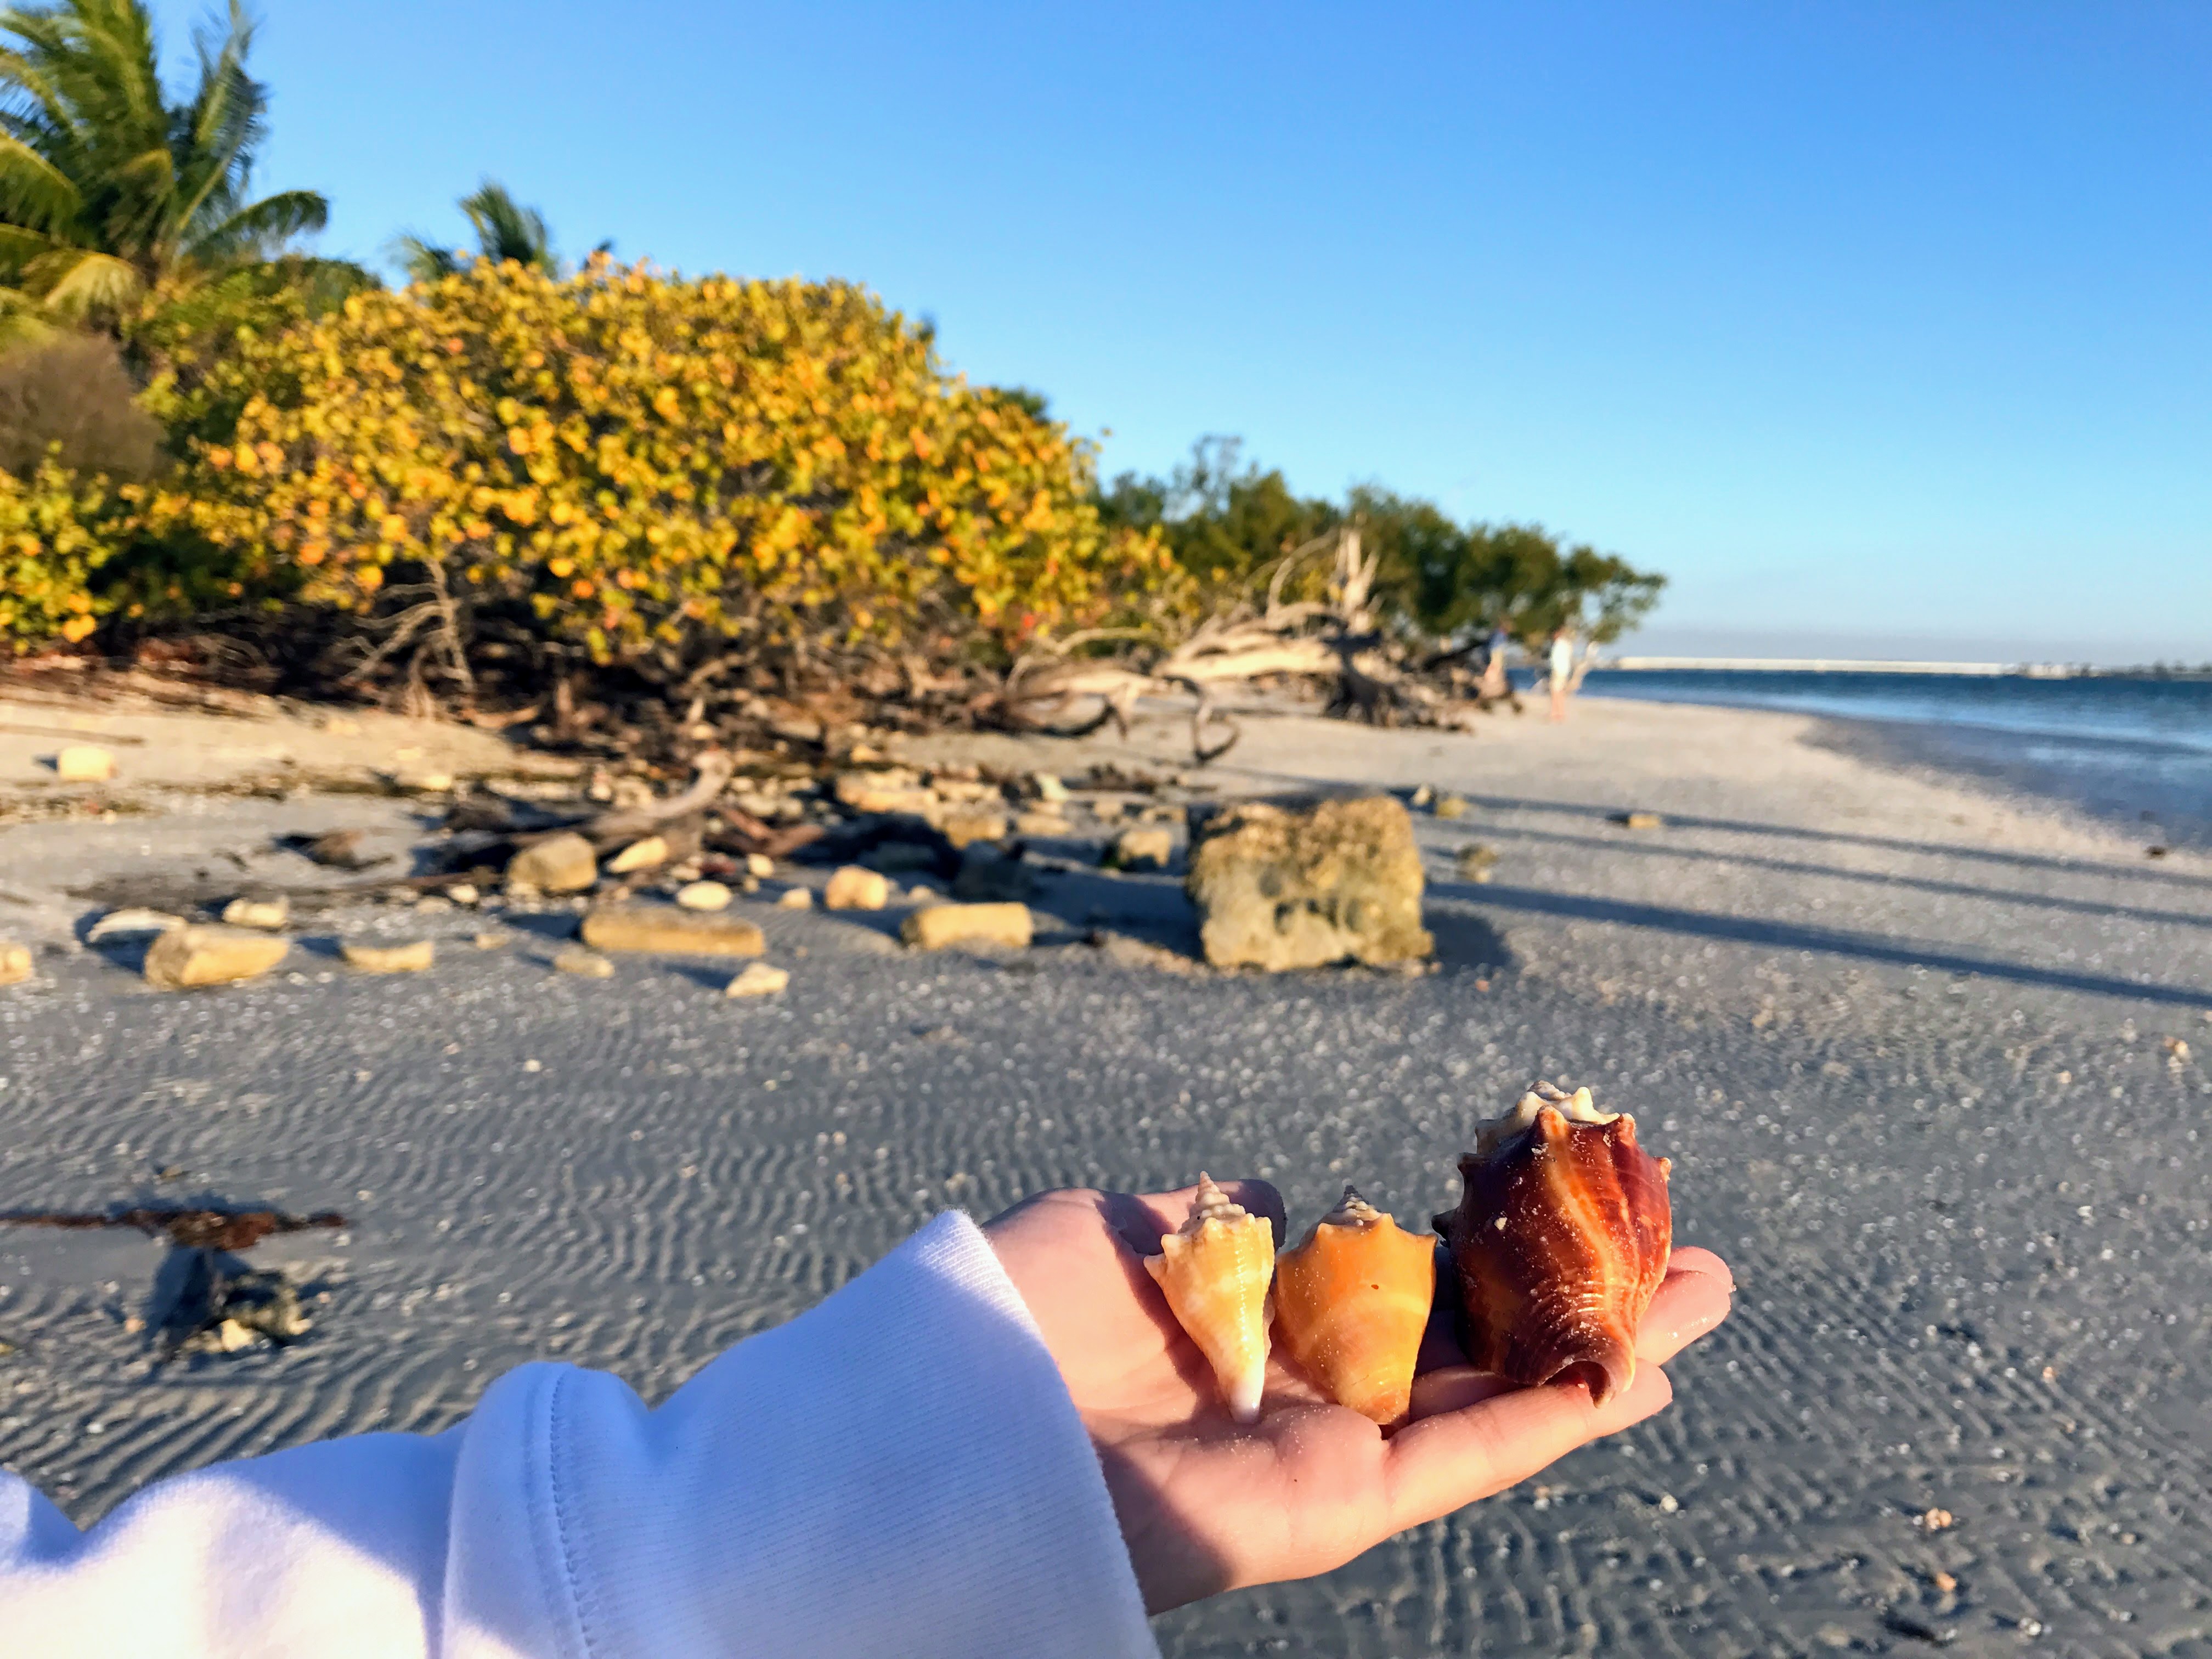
[334, 849]
[795, 898]
[15, 962]
[662, 931]
[704, 896]
[1475, 861]
[1048, 788]
[1559, 1242]
[267, 913]
[84, 763]
[130, 921]
[585, 965]
[758, 979]
[413, 958]
[1042, 824]
[648, 854]
[1639, 820]
[196, 1227]
[1352, 1301]
[759, 865]
[989, 876]
[192, 955]
[1129, 952]
[1140, 848]
[2156, 852]
[964, 830]
[852, 888]
[1280, 888]
[1935, 1520]
[1450, 806]
[562, 863]
[1214, 1271]
[1422, 799]
[1944, 1582]
[219, 1308]
[936, 926]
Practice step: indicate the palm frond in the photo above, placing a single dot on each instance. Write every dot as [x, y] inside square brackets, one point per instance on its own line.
[423, 261]
[33, 192]
[506, 229]
[259, 230]
[77, 283]
[19, 245]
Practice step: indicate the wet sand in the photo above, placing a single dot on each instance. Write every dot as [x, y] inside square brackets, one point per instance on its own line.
[1908, 1042]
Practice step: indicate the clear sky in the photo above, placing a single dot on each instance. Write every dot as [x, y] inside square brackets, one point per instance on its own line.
[1888, 325]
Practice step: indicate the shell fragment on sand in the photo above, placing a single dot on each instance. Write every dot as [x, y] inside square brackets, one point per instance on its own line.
[267, 913]
[937, 927]
[186, 957]
[1215, 1271]
[413, 958]
[759, 979]
[664, 931]
[852, 888]
[704, 896]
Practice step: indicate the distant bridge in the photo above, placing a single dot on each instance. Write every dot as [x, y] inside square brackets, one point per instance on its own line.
[1836, 666]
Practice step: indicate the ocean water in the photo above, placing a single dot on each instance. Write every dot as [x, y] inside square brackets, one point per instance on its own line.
[2132, 750]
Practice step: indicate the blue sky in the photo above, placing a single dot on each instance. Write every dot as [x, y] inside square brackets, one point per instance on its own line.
[1888, 327]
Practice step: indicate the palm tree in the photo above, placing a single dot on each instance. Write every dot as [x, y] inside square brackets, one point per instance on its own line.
[505, 230]
[107, 189]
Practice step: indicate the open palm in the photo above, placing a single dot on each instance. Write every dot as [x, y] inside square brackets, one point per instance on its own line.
[1207, 1504]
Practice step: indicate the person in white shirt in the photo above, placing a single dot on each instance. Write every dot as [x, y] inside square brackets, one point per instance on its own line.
[1562, 670]
[995, 1442]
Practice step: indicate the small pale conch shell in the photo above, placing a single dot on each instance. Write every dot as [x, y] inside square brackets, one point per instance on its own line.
[1560, 1241]
[1352, 1301]
[1215, 1272]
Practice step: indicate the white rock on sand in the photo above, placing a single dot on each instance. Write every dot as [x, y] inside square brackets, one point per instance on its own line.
[852, 888]
[268, 913]
[936, 926]
[758, 980]
[413, 958]
[189, 957]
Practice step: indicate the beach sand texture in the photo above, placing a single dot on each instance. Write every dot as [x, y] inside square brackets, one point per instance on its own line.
[1909, 1046]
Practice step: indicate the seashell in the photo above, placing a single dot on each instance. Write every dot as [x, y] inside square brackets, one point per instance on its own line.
[1559, 1242]
[1214, 1272]
[1351, 1300]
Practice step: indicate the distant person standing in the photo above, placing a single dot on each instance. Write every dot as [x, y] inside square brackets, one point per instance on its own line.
[1562, 670]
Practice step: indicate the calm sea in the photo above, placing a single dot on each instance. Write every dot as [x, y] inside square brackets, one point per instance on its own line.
[2131, 750]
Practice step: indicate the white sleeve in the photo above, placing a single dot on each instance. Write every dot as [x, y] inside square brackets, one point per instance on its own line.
[899, 1471]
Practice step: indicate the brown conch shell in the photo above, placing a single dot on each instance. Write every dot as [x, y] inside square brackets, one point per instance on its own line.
[1352, 1301]
[1215, 1273]
[1559, 1242]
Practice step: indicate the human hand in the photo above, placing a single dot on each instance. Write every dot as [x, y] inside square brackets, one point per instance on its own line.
[1207, 1504]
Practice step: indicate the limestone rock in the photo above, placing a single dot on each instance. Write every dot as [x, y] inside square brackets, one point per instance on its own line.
[15, 962]
[84, 763]
[648, 854]
[489, 941]
[191, 955]
[988, 875]
[266, 914]
[1474, 861]
[1452, 807]
[703, 895]
[1048, 788]
[413, 958]
[129, 920]
[964, 830]
[937, 926]
[1145, 847]
[559, 863]
[758, 980]
[854, 889]
[585, 965]
[795, 898]
[892, 791]
[1044, 825]
[759, 865]
[1423, 798]
[1280, 887]
[669, 932]
[463, 892]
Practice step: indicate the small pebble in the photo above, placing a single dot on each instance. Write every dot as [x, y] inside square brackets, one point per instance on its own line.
[703, 895]
[585, 964]
[758, 980]
[796, 898]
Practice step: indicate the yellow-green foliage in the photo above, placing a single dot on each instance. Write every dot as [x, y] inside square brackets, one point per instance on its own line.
[643, 459]
[56, 530]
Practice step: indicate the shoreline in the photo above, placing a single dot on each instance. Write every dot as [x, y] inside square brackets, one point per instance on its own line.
[1908, 1042]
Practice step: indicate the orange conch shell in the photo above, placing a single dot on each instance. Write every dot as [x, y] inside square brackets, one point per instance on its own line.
[1352, 1301]
[1560, 1241]
[1215, 1272]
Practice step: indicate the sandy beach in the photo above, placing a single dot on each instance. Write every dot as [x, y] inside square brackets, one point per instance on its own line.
[1930, 1059]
